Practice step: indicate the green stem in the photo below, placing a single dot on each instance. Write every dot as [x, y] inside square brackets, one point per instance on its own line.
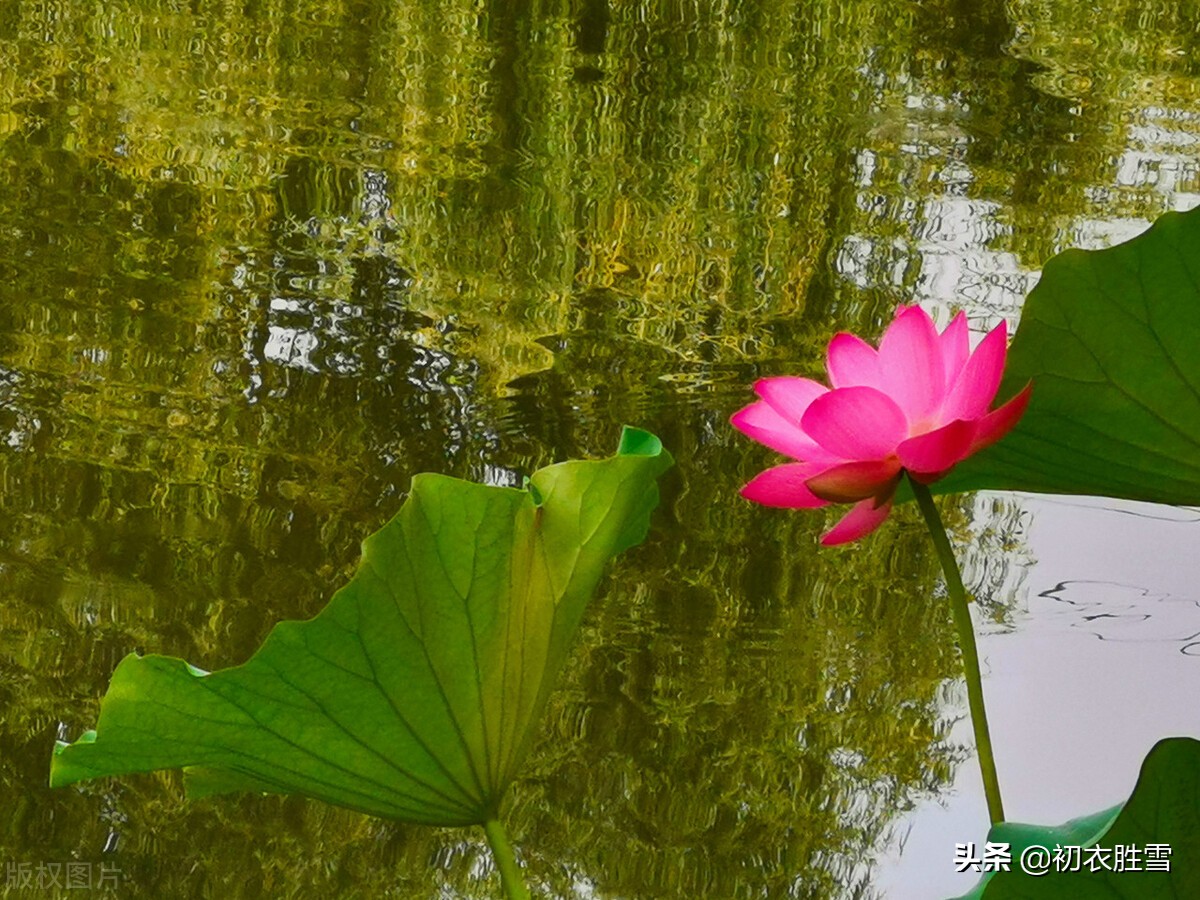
[506, 862]
[966, 642]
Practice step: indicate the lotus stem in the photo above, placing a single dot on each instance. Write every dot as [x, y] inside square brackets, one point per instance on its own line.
[506, 861]
[966, 643]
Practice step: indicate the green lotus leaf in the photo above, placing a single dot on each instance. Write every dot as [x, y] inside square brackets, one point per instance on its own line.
[414, 694]
[1111, 340]
[1164, 810]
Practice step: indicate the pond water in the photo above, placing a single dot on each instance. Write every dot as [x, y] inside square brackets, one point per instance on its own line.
[264, 261]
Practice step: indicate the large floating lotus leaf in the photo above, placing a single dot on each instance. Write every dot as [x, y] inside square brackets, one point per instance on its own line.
[1164, 809]
[1111, 340]
[413, 695]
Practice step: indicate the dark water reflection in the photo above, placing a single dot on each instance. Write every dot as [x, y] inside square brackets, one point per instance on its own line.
[264, 262]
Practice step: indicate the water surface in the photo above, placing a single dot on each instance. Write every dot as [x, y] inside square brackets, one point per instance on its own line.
[262, 262]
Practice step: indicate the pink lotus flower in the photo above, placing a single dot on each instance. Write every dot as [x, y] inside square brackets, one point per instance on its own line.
[919, 404]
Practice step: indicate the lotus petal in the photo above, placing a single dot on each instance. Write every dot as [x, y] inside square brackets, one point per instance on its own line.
[1000, 422]
[955, 342]
[910, 358]
[979, 380]
[864, 518]
[763, 423]
[937, 451]
[852, 362]
[790, 396]
[854, 481]
[856, 423]
[785, 486]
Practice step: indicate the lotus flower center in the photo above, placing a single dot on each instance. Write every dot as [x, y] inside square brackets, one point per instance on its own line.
[924, 426]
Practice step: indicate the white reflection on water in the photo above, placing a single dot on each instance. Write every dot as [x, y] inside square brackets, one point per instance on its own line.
[1072, 717]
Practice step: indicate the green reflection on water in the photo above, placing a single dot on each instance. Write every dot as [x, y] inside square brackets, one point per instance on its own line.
[262, 263]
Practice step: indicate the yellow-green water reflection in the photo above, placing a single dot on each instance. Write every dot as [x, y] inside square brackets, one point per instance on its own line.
[263, 261]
